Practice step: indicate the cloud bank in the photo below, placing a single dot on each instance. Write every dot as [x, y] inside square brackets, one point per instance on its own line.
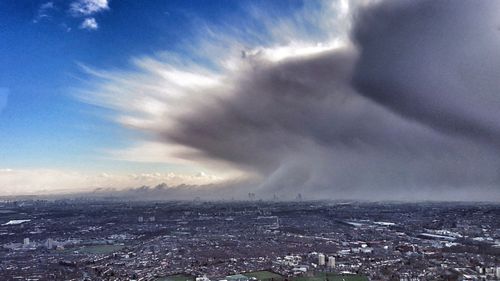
[394, 100]
[58, 181]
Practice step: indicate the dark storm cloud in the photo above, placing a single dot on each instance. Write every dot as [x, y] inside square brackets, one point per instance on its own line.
[427, 74]
[435, 61]
[271, 108]
[410, 111]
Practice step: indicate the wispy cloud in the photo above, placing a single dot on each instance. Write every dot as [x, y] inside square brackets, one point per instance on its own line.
[44, 11]
[89, 24]
[88, 7]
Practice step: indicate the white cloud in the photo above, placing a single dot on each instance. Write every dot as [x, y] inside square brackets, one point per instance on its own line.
[50, 181]
[88, 7]
[89, 24]
[148, 152]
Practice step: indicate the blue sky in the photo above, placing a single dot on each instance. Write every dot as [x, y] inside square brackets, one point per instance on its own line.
[72, 73]
[43, 125]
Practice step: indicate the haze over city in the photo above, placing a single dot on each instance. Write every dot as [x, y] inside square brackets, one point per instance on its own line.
[365, 100]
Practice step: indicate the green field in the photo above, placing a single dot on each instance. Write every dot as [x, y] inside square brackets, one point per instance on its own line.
[100, 249]
[179, 277]
[264, 275]
[330, 277]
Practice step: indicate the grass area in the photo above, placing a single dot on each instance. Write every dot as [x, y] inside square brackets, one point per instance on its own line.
[264, 275]
[179, 277]
[100, 249]
[331, 277]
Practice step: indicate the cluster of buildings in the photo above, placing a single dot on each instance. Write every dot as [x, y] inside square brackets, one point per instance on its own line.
[321, 261]
[108, 240]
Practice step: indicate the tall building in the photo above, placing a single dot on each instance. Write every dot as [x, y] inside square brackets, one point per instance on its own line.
[251, 196]
[331, 262]
[49, 243]
[480, 269]
[26, 241]
[321, 259]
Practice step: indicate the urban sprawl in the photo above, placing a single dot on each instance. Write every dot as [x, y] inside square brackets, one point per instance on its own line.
[83, 239]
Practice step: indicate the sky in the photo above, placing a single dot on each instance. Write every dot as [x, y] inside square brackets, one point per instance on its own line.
[367, 99]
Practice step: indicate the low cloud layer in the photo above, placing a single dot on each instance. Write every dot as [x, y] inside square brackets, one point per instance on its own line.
[54, 181]
[405, 107]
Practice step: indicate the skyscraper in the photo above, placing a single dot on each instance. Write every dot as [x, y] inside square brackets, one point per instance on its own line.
[321, 259]
[331, 262]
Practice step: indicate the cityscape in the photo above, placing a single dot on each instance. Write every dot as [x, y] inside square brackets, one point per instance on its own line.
[249, 140]
[90, 239]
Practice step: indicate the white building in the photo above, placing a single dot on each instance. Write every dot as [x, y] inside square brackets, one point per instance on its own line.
[26, 241]
[321, 259]
[331, 262]
[291, 260]
[480, 269]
